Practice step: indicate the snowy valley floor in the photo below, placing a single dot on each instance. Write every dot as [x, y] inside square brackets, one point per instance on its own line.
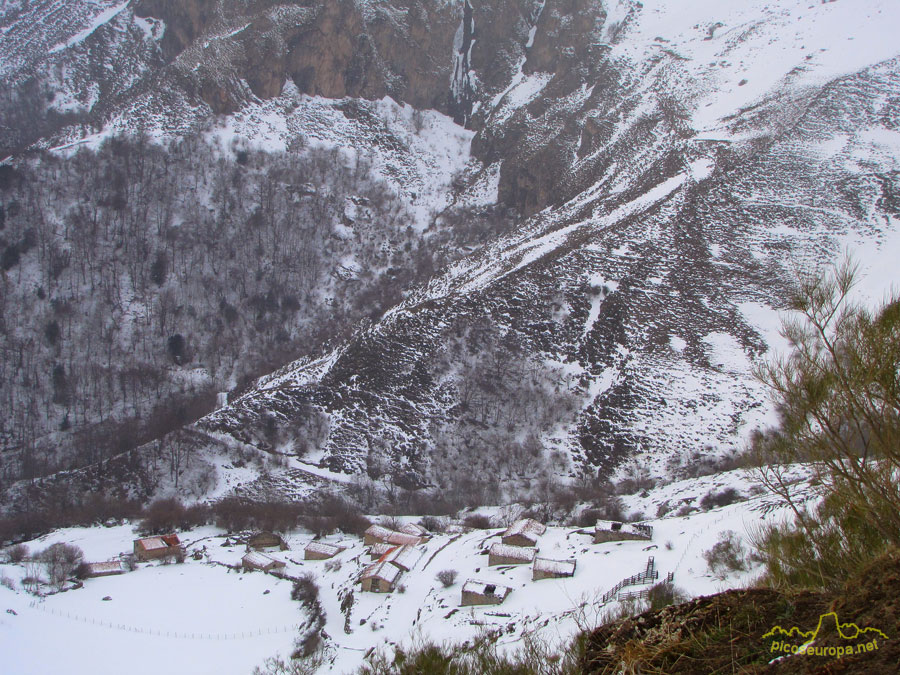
[207, 618]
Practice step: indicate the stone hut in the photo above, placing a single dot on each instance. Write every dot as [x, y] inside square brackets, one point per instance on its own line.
[260, 561]
[103, 569]
[611, 530]
[153, 548]
[544, 568]
[483, 593]
[263, 540]
[380, 578]
[319, 550]
[376, 534]
[501, 554]
[523, 532]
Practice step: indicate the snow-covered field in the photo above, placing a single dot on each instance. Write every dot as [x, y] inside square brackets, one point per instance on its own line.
[207, 619]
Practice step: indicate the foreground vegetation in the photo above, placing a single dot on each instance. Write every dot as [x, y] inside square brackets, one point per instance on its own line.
[838, 395]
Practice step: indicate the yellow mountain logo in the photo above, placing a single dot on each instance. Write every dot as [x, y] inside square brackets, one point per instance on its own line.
[848, 631]
[795, 640]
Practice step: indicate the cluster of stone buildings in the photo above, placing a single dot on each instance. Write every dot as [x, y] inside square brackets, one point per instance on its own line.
[394, 552]
[517, 546]
[397, 551]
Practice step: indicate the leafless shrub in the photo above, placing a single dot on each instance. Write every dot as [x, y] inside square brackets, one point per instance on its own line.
[434, 524]
[685, 510]
[478, 521]
[447, 577]
[391, 523]
[15, 554]
[60, 561]
[725, 497]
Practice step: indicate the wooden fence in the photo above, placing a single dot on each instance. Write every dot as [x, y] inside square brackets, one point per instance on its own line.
[649, 574]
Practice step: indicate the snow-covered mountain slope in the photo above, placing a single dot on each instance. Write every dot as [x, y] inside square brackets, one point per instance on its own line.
[682, 202]
[674, 165]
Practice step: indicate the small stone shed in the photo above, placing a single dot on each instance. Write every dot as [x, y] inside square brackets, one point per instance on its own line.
[525, 532]
[319, 550]
[380, 578]
[263, 540]
[544, 568]
[153, 548]
[260, 561]
[476, 592]
[103, 569]
[611, 530]
[501, 554]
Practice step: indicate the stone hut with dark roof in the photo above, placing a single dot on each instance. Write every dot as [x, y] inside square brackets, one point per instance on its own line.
[263, 540]
[612, 530]
[476, 592]
[525, 532]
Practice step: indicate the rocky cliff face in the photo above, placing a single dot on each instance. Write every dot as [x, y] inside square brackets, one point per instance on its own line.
[332, 49]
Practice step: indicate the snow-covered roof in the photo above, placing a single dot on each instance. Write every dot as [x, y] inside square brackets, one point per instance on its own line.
[162, 541]
[516, 552]
[527, 527]
[404, 556]
[323, 548]
[402, 539]
[152, 543]
[112, 567]
[486, 588]
[554, 566]
[380, 549]
[382, 570]
[413, 529]
[257, 559]
[378, 532]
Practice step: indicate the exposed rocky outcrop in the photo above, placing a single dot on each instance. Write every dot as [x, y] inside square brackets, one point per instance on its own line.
[331, 49]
